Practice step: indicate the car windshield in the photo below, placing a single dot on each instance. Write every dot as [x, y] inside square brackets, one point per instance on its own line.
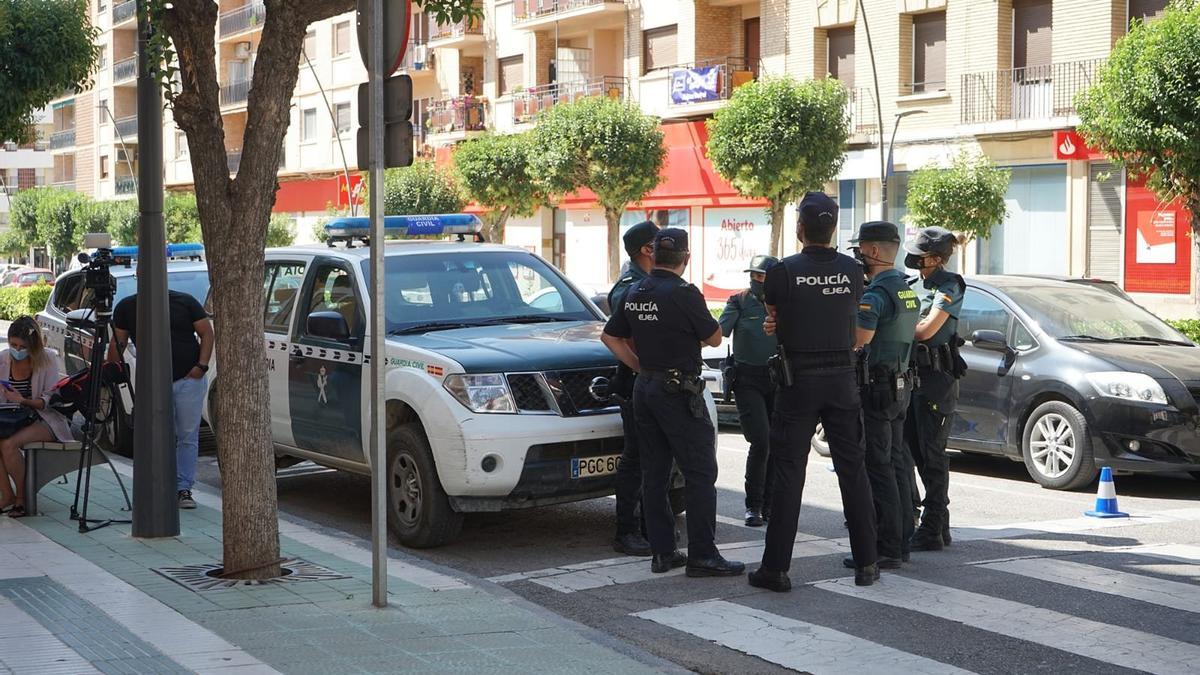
[1083, 312]
[192, 282]
[425, 292]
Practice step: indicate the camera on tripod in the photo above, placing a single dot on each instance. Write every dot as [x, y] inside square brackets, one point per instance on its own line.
[97, 277]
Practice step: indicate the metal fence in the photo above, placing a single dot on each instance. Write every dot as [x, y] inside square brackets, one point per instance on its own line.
[464, 113]
[127, 126]
[123, 11]
[731, 72]
[236, 92]
[62, 139]
[528, 103]
[1036, 92]
[250, 15]
[125, 69]
[438, 31]
[126, 185]
[861, 110]
[524, 10]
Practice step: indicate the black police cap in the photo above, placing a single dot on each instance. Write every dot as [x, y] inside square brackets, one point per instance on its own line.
[671, 239]
[818, 209]
[932, 240]
[638, 236]
[762, 263]
[877, 230]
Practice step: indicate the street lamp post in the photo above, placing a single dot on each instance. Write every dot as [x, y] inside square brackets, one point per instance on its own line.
[887, 167]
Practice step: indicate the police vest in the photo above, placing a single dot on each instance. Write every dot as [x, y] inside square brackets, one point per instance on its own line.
[953, 285]
[819, 311]
[894, 337]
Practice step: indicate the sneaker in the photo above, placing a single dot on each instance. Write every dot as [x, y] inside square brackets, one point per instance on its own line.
[185, 500]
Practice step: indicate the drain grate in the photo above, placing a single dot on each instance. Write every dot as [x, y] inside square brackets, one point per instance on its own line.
[206, 577]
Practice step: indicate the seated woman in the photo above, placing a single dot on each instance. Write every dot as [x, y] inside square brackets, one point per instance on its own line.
[30, 371]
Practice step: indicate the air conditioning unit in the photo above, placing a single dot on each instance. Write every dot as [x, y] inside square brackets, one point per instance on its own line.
[242, 50]
[124, 155]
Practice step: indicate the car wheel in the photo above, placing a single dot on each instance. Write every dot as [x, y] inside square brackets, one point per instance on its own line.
[419, 511]
[819, 442]
[1057, 448]
[116, 428]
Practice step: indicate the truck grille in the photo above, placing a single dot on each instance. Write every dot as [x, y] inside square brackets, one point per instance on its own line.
[528, 392]
[566, 392]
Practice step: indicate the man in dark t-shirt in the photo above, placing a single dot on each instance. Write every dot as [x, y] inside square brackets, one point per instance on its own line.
[192, 340]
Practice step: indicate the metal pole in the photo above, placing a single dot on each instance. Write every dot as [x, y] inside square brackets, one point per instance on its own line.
[883, 179]
[155, 506]
[375, 75]
[121, 140]
[336, 132]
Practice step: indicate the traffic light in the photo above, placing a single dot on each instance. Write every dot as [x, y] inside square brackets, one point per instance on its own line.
[397, 124]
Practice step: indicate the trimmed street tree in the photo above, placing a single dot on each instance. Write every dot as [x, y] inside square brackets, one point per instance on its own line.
[280, 231]
[778, 138]
[46, 48]
[967, 197]
[493, 169]
[58, 218]
[1142, 112]
[605, 145]
[420, 189]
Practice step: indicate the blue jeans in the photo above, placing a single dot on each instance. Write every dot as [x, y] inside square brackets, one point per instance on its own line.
[189, 404]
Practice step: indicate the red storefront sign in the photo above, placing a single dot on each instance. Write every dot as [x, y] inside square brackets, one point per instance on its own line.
[318, 194]
[1158, 244]
[1068, 144]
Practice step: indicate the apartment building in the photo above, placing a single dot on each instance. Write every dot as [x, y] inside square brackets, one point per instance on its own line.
[24, 166]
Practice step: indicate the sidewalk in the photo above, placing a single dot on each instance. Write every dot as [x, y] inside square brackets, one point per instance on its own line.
[99, 602]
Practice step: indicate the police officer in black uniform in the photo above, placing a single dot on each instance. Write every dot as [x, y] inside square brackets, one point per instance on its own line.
[638, 241]
[813, 297]
[887, 321]
[665, 320]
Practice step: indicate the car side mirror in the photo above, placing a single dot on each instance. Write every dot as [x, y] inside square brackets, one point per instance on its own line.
[991, 340]
[328, 326]
[80, 318]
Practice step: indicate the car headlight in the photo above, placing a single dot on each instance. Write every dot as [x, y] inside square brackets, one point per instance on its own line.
[1128, 386]
[486, 393]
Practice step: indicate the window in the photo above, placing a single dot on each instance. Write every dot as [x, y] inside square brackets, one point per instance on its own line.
[659, 48]
[104, 166]
[102, 110]
[341, 112]
[181, 144]
[929, 53]
[102, 61]
[67, 293]
[308, 124]
[341, 38]
[310, 44]
[981, 311]
[841, 55]
[1022, 340]
[334, 292]
[1033, 35]
[1146, 10]
[282, 285]
[512, 74]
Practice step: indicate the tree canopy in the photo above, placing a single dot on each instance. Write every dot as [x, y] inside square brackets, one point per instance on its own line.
[420, 189]
[777, 138]
[967, 197]
[493, 170]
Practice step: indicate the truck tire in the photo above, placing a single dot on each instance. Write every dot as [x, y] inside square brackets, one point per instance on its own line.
[419, 511]
[116, 433]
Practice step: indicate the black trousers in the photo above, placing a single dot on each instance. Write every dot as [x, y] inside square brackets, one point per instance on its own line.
[629, 476]
[890, 469]
[754, 394]
[831, 397]
[670, 432]
[927, 429]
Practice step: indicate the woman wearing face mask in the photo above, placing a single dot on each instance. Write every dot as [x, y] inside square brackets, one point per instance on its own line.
[932, 406]
[28, 371]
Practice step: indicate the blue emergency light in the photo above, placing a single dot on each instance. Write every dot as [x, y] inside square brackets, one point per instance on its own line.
[406, 226]
[173, 251]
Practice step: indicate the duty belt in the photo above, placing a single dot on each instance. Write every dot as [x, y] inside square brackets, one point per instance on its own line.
[667, 375]
[826, 360]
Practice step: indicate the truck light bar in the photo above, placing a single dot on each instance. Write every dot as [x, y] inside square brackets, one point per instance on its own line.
[462, 224]
[189, 250]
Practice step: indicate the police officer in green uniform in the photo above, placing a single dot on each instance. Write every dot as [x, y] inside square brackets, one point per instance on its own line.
[754, 393]
[638, 241]
[938, 366]
[887, 320]
[657, 331]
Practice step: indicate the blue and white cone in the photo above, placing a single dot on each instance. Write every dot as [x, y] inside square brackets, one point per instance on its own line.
[1106, 498]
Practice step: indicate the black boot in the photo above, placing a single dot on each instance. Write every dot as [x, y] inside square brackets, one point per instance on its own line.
[754, 518]
[772, 581]
[667, 562]
[715, 566]
[865, 576]
[883, 563]
[631, 544]
[926, 539]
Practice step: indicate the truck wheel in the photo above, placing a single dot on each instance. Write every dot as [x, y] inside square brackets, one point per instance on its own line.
[678, 500]
[419, 511]
[1057, 447]
[116, 432]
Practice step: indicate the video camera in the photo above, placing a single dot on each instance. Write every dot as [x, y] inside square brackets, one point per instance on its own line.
[96, 275]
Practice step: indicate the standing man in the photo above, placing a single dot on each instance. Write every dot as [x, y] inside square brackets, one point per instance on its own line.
[192, 340]
[887, 321]
[754, 393]
[813, 297]
[639, 244]
[667, 320]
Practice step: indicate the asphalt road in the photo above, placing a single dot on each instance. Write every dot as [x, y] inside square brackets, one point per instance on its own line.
[1029, 584]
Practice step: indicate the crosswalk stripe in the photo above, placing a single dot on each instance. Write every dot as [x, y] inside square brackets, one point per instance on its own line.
[1072, 525]
[1092, 639]
[1162, 592]
[1182, 552]
[790, 643]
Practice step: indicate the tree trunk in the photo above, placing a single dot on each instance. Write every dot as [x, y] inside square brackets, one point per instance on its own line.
[498, 220]
[612, 217]
[776, 208]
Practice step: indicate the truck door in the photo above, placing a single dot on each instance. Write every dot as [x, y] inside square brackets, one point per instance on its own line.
[282, 288]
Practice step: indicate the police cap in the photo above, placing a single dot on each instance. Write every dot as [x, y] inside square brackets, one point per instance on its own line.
[818, 209]
[762, 263]
[877, 230]
[638, 236]
[932, 240]
[671, 239]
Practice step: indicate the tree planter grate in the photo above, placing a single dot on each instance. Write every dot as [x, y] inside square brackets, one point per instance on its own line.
[206, 577]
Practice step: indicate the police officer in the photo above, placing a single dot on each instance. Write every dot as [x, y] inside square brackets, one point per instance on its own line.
[638, 242]
[813, 297]
[754, 393]
[887, 320]
[667, 320]
[939, 366]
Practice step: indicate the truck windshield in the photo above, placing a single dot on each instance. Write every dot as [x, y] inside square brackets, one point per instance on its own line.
[427, 291]
[192, 282]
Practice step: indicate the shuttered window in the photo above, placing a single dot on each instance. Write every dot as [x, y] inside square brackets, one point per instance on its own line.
[1104, 221]
[929, 52]
[659, 48]
[1033, 34]
[1146, 10]
[841, 55]
[512, 74]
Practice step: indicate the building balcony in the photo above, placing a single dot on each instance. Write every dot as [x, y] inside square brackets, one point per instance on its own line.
[235, 94]
[127, 127]
[465, 34]
[418, 60]
[123, 12]
[125, 185]
[125, 70]
[529, 103]
[860, 108]
[703, 87]
[454, 119]
[246, 18]
[567, 14]
[65, 183]
[62, 139]
[1037, 96]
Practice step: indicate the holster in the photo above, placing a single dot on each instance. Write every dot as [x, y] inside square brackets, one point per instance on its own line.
[779, 367]
[728, 377]
[861, 374]
[620, 387]
[958, 365]
[694, 388]
[882, 390]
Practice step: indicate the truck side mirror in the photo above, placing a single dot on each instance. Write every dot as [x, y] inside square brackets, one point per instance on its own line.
[328, 326]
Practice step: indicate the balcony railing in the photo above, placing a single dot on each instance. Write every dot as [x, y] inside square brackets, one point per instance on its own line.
[127, 127]
[62, 139]
[125, 69]
[126, 185]
[708, 81]
[250, 15]
[1033, 93]
[523, 10]
[457, 29]
[64, 182]
[529, 103]
[417, 58]
[233, 93]
[452, 115]
[124, 11]
[861, 109]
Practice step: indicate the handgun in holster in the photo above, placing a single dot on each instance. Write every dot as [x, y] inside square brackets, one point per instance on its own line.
[620, 388]
[693, 386]
[728, 376]
[862, 374]
[957, 365]
[779, 367]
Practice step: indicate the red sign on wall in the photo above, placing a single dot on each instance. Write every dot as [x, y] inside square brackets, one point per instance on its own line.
[1158, 244]
[1069, 144]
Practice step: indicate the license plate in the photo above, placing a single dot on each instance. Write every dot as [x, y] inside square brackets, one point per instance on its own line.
[587, 467]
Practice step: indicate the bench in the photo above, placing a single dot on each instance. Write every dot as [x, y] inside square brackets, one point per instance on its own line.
[49, 460]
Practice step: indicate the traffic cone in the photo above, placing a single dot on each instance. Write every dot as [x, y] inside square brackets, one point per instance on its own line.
[1106, 498]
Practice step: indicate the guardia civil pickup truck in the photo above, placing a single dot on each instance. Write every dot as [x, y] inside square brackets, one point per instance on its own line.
[496, 377]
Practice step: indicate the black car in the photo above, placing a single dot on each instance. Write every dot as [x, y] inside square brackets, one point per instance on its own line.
[1069, 377]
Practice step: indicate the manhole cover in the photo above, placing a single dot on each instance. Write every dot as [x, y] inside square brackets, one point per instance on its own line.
[206, 577]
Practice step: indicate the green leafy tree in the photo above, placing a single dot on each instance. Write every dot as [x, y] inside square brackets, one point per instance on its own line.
[123, 217]
[181, 216]
[46, 48]
[967, 197]
[605, 145]
[420, 189]
[12, 245]
[1142, 109]
[280, 231]
[777, 138]
[494, 171]
[22, 217]
[59, 214]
